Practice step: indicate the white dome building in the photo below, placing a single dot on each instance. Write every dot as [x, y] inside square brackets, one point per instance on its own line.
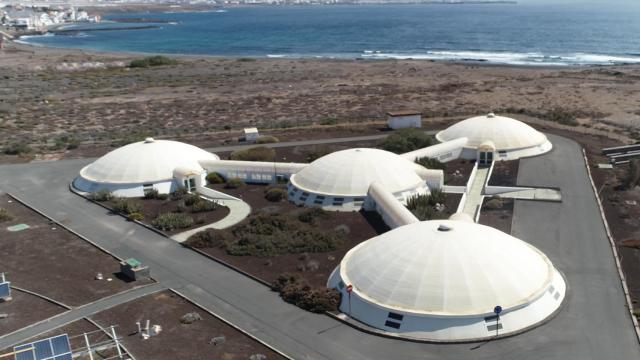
[494, 138]
[341, 180]
[150, 164]
[441, 281]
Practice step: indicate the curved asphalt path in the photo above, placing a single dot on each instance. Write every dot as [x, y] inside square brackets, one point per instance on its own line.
[594, 324]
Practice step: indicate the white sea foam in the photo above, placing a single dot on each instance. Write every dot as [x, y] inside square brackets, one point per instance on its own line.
[510, 58]
[276, 56]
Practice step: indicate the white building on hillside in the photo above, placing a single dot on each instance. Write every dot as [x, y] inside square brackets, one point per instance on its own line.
[251, 134]
[404, 119]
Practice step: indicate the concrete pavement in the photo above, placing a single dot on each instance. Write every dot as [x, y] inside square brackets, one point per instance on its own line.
[475, 192]
[238, 211]
[299, 143]
[593, 325]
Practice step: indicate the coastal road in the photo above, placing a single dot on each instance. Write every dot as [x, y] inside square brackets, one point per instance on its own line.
[594, 323]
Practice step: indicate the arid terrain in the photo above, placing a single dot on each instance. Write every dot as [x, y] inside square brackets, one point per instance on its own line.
[96, 99]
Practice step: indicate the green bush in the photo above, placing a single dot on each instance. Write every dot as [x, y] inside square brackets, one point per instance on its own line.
[151, 194]
[632, 176]
[494, 203]
[267, 139]
[234, 183]
[191, 199]
[126, 206]
[561, 116]
[270, 235]
[405, 140]
[275, 194]
[72, 143]
[431, 163]
[179, 193]
[208, 238]
[172, 221]
[5, 215]
[101, 195]
[157, 60]
[423, 206]
[215, 178]
[66, 142]
[310, 216]
[295, 290]
[329, 121]
[259, 153]
[137, 216]
[17, 148]
[204, 206]
[317, 153]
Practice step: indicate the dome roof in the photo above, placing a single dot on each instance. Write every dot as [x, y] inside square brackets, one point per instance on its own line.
[505, 133]
[145, 162]
[351, 172]
[445, 267]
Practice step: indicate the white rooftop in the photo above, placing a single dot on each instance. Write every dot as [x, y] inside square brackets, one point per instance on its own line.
[505, 133]
[351, 172]
[448, 268]
[145, 161]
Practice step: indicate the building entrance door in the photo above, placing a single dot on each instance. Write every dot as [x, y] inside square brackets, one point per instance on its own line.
[485, 157]
[190, 184]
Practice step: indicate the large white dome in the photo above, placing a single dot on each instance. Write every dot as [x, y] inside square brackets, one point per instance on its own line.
[351, 172]
[505, 133]
[423, 268]
[146, 161]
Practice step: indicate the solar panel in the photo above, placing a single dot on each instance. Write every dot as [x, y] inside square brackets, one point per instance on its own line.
[5, 290]
[54, 348]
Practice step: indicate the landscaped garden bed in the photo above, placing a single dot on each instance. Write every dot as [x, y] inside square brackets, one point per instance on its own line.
[498, 213]
[170, 214]
[505, 173]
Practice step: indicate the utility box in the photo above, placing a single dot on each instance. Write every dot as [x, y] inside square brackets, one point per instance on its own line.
[251, 134]
[5, 289]
[404, 119]
[133, 269]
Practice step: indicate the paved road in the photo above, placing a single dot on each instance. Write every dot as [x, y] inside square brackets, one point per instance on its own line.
[78, 313]
[309, 142]
[573, 237]
[593, 325]
[300, 143]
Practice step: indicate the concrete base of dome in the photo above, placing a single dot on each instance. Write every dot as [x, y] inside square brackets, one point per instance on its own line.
[342, 203]
[376, 319]
[513, 154]
[123, 190]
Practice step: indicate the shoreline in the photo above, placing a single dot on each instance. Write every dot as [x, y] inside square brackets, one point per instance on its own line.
[32, 47]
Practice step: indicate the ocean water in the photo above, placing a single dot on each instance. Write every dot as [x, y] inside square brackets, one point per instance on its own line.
[522, 34]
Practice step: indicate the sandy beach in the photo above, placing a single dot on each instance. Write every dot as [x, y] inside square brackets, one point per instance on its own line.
[96, 98]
